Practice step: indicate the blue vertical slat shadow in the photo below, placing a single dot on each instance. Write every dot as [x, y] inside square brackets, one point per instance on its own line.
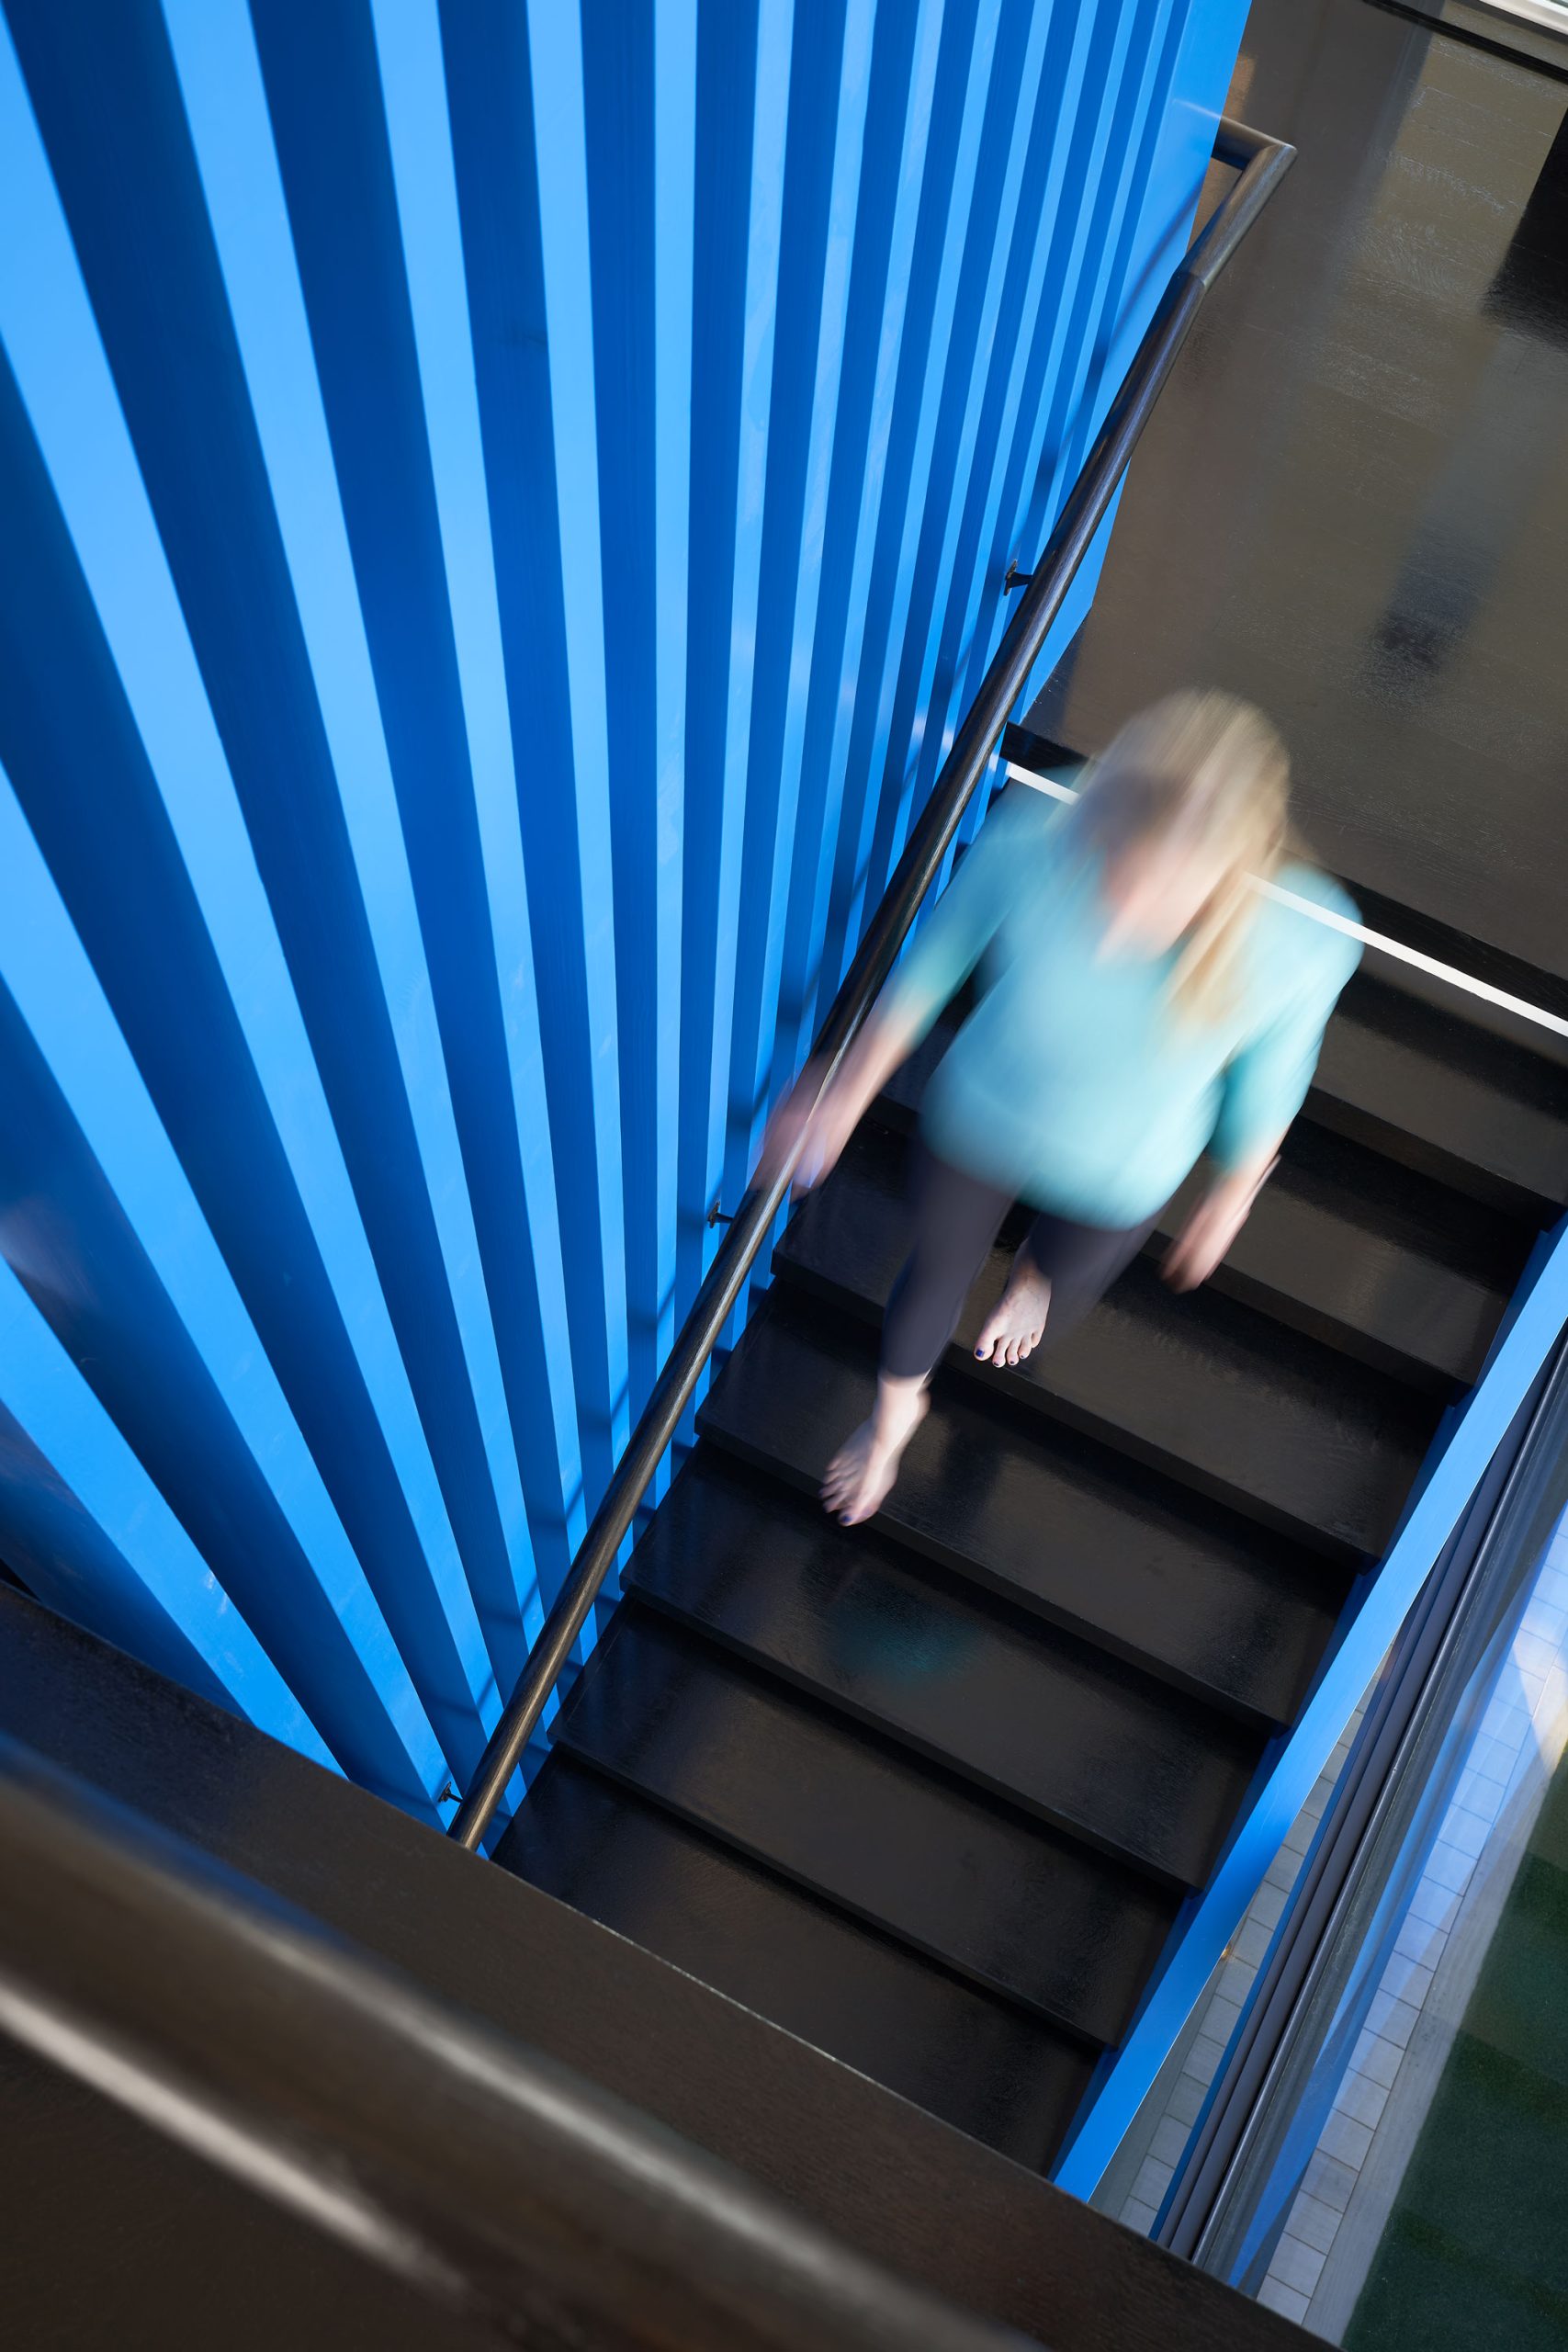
[620, 90]
[912, 742]
[867, 742]
[324, 99]
[815, 97]
[851, 522]
[491, 99]
[970, 601]
[727, 83]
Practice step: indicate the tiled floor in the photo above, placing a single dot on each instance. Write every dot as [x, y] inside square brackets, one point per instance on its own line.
[1517, 1742]
[1316, 2268]
[1169, 2129]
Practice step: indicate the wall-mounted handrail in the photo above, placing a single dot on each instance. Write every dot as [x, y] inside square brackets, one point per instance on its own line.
[1262, 164]
[494, 2183]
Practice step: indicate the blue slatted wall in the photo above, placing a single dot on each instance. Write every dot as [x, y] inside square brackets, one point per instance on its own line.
[502, 507]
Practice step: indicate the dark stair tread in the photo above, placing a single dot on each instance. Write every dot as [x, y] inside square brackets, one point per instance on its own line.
[1374, 1258]
[1480, 959]
[1098, 1750]
[823, 1802]
[1372, 1255]
[1278, 1424]
[1468, 1107]
[978, 2062]
[1047, 1519]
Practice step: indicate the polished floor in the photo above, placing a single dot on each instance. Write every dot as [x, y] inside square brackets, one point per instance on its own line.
[1352, 502]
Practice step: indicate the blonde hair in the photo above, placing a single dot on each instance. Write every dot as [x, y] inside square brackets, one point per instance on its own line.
[1210, 772]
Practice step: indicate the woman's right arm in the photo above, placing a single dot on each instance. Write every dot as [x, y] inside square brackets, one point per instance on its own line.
[950, 943]
[886, 1041]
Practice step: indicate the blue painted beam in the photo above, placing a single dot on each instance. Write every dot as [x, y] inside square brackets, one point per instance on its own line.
[324, 101]
[640, 68]
[743, 83]
[897, 123]
[825, 154]
[951, 176]
[526, 263]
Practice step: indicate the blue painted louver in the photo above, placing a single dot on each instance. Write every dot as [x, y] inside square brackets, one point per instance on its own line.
[504, 507]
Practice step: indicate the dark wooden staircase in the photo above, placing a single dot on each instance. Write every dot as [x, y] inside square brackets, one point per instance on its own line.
[930, 1794]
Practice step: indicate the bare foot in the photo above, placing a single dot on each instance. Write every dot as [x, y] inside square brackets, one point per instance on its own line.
[862, 1474]
[1017, 1325]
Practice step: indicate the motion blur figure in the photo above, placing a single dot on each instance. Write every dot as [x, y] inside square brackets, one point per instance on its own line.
[1141, 1004]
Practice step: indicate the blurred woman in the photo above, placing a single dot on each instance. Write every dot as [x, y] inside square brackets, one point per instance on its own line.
[1140, 1004]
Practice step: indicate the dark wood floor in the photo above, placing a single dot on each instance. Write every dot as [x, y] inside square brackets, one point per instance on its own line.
[1352, 501]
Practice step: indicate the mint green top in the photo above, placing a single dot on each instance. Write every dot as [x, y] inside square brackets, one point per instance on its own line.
[1073, 1083]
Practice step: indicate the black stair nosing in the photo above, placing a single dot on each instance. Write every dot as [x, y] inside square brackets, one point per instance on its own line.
[982, 2064]
[1004, 1945]
[1334, 1501]
[1165, 1737]
[1450, 1360]
[1299, 1594]
[1439, 1346]
[1397, 1207]
[1358, 1081]
[1319, 1261]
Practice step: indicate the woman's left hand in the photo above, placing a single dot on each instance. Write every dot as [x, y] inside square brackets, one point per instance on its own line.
[1203, 1240]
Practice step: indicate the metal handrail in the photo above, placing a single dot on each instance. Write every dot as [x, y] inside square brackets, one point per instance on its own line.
[489, 2180]
[1262, 164]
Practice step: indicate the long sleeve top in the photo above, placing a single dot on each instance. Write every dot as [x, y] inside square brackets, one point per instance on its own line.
[1075, 1082]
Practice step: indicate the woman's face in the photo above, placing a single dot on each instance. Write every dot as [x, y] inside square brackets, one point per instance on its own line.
[1153, 887]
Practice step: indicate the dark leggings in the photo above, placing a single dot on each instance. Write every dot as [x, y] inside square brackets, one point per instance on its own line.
[957, 1218]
